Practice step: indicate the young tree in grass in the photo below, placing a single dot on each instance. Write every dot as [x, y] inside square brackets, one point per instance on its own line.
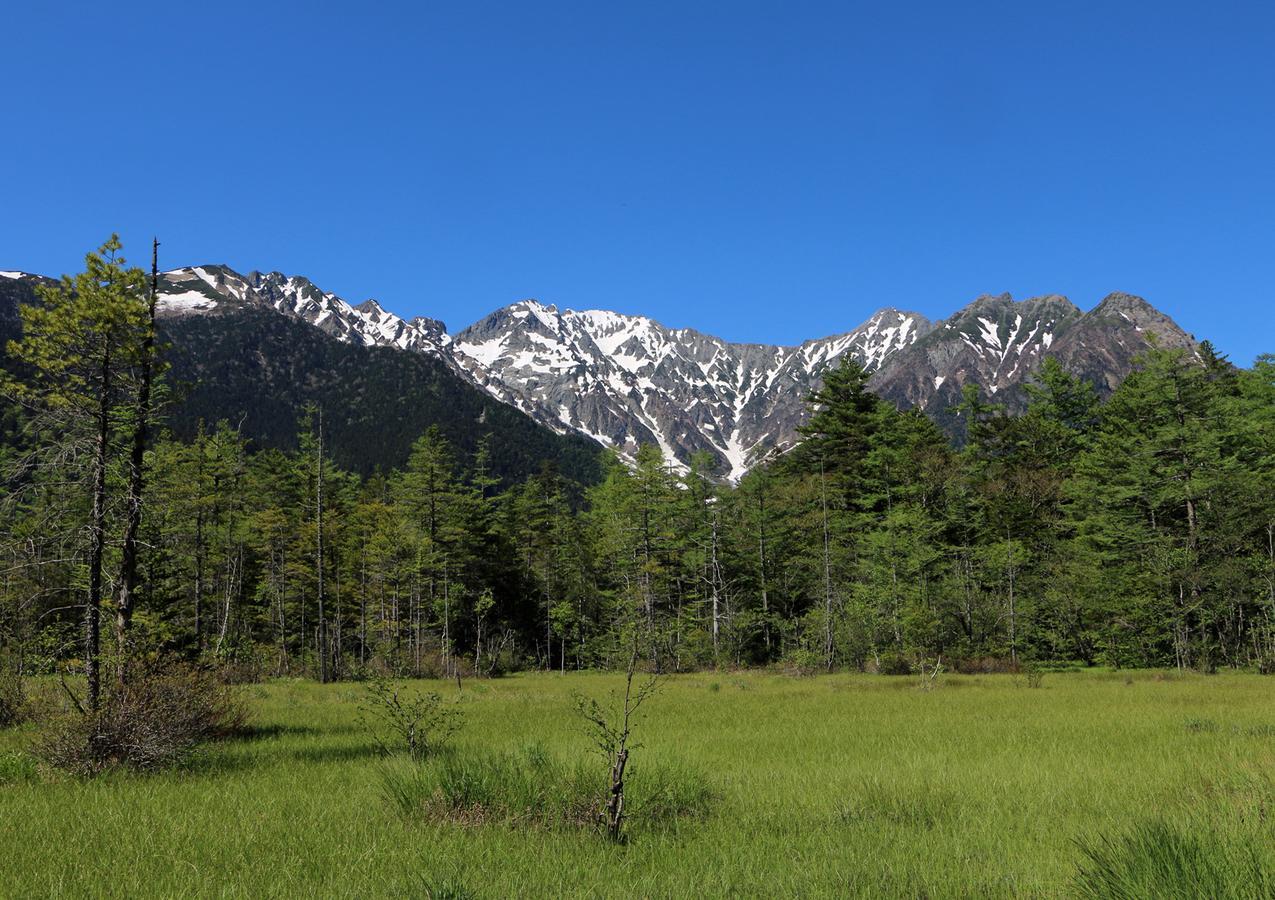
[613, 737]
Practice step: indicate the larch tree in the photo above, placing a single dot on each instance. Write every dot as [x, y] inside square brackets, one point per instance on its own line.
[80, 351]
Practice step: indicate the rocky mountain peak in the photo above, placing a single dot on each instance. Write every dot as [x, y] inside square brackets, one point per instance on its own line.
[626, 380]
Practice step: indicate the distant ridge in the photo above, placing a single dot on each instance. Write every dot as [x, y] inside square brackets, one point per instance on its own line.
[626, 380]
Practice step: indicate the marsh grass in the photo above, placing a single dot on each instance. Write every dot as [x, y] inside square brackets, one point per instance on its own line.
[921, 806]
[533, 788]
[1160, 860]
[832, 785]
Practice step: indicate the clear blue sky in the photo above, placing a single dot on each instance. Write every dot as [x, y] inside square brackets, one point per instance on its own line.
[762, 171]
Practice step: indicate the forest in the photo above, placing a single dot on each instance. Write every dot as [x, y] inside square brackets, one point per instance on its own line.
[1136, 531]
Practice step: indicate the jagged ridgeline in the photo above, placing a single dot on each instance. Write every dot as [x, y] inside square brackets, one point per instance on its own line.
[257, 345]
[258, 370]
[627, 380]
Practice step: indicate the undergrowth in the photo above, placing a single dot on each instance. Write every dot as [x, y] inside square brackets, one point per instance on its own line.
[533, 788]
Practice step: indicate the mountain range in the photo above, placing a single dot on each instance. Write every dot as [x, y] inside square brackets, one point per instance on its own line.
[625, 380]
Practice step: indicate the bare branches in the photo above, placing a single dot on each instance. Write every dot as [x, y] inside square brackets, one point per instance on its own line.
[419, 724]
[611, 736]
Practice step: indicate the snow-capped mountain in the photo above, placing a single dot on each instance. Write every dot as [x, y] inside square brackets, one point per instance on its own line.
[998, 342]
[199, 289]
[623, 380]
[626, 380]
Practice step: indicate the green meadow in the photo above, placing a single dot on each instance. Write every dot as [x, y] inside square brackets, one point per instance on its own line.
[838, 785]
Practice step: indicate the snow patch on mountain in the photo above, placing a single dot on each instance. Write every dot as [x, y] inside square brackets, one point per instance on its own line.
[627, 380]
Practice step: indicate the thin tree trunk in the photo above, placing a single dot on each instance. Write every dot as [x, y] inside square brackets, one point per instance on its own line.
[318, 556]
[97, 542]
[199, 541]
[827, 569]
[136, 475]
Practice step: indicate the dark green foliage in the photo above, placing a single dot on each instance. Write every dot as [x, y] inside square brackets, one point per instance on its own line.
[259, 370]
[458, 538]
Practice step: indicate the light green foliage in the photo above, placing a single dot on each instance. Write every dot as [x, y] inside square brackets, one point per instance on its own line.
[828, 786]
[402, 719]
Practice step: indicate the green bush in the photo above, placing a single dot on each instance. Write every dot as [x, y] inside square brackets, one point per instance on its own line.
[803, 662]
[894, 664]
[399, 720]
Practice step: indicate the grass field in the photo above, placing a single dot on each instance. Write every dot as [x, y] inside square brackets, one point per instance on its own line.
[827, 786]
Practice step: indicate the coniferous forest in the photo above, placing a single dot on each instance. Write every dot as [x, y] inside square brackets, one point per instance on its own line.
[1136, 531]
[654, 450]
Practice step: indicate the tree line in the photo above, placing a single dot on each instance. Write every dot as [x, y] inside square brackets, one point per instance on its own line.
[1136, 531]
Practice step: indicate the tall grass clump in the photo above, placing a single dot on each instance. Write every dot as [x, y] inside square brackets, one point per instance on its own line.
[1155, 859]
[532, 788]
[915, 806]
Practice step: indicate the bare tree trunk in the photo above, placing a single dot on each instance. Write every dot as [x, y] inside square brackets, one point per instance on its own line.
[318, 556]
[136, 475]
[827, 570]
[199, 542]
[97, 543]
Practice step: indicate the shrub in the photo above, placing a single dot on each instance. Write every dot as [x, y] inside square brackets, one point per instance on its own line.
[986, 665]
[416, 724]
[154, 720]
[13, 701]
[1157, 860]
[803, 663]
[894, 664]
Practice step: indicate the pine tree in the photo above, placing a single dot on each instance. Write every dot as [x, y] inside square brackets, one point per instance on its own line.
[79, 351]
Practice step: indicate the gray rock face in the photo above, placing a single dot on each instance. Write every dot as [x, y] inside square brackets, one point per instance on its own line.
[1101, 345]
[201, 290]
[628, 380]
[997, 343]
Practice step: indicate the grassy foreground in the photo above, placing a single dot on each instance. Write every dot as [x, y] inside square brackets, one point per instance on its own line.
[829, 786]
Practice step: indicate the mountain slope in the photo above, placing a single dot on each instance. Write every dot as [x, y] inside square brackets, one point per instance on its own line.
[625, 380]
[628, 380]
[997, 342]
[622, 380]
[235, 358]
[261, 369]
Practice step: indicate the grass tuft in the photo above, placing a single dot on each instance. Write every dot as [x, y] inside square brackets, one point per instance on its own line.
[1158, 860]
[911, 806]
[532, 788]
[16, 767]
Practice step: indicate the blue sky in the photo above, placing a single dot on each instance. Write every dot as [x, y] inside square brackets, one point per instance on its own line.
[762, 171]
